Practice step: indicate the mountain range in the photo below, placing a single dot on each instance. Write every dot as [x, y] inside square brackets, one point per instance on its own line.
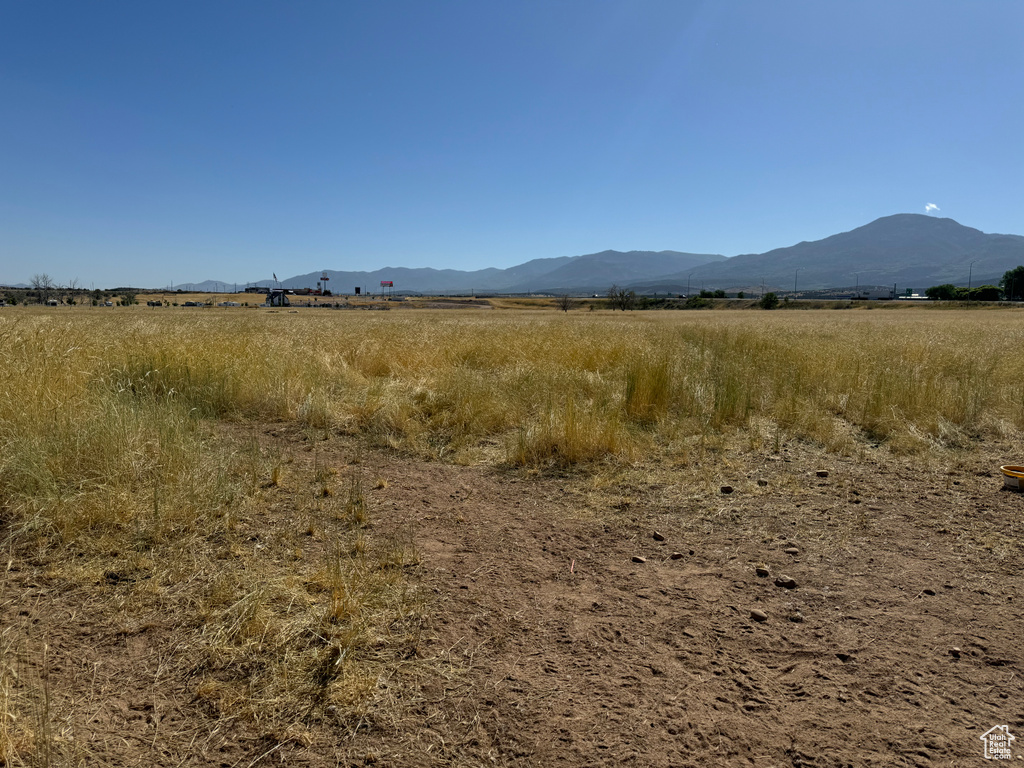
[911, 250]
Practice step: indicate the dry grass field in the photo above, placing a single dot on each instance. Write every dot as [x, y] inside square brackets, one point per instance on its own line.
[505, 537]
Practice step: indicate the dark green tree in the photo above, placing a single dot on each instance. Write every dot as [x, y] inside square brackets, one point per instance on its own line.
[944, 292]
[1012, 283]
[768, 301]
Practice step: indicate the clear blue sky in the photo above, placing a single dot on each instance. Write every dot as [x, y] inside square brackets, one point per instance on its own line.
[148, 143]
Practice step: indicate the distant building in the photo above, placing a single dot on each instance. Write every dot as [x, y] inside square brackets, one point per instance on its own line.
[277, 298]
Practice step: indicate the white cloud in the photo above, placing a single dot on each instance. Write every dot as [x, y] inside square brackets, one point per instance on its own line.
[931, 208]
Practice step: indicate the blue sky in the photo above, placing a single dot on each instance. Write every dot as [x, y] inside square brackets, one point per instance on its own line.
[157, 143]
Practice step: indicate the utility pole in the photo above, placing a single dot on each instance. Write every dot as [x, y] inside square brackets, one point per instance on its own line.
[970, 274]
[795, 275]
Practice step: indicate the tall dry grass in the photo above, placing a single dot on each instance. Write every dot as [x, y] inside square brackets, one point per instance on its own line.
[124, 398]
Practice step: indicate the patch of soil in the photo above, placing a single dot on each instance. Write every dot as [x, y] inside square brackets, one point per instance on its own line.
[562, 631]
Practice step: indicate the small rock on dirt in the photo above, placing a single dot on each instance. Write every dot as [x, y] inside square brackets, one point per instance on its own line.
[822, 473]
[787, 582]
[726, 489]
[758, 615]
[762, 482]
[797, 617]
[761, 571]
[791, 551]
[955, 652]
[928, 591]
[658, 537]
[676, 555]
[638, 559]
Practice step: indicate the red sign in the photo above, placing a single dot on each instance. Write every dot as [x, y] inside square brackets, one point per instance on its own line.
[387, 283]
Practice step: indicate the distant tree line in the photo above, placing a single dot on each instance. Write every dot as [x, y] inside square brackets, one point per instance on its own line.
[43, 289]
[1011, 287]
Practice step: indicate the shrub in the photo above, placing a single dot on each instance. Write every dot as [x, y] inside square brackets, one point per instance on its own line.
[768, 301]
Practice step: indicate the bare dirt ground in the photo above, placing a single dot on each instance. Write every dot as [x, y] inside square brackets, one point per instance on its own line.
[573, 620]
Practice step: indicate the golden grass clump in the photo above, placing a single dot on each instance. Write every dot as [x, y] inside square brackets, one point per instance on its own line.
[281, 650]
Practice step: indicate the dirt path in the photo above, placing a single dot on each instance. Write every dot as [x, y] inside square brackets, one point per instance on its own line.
[900, 643]
[576, 654]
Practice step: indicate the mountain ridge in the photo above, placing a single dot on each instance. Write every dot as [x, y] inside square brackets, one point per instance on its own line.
[901, 248]
[909, 249]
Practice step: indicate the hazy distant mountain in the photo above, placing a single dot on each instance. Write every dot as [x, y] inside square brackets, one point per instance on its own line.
[419, 280]
[599, 271]
[209, 286]
[911, 250]
[595, 271]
